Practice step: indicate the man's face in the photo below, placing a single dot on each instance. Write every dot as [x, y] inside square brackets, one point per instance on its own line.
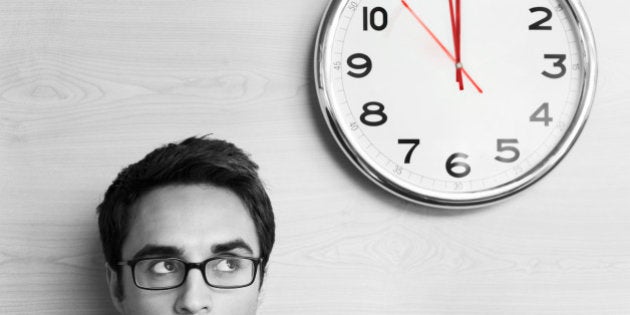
[192, 223]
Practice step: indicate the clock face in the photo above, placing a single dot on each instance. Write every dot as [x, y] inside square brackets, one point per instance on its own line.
[455, 104]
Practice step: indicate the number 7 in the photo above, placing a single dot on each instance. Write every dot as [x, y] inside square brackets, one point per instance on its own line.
[415, 143]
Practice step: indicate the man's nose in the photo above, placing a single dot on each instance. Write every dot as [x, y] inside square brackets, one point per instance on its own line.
[195, 296]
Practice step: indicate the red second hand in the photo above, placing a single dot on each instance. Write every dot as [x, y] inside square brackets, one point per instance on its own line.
[441, 45]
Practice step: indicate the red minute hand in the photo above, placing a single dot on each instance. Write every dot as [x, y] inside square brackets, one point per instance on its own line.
[457, 32]
[441, 45]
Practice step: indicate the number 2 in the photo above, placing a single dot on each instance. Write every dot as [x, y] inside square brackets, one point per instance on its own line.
[538, 26]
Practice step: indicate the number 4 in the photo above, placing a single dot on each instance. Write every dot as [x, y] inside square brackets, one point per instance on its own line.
[542, 114]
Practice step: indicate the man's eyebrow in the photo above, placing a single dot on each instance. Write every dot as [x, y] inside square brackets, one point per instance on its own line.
[152, 250]
[231, 245]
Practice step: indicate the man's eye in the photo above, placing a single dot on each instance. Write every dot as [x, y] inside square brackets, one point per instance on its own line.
[164, 267]
[228, 265]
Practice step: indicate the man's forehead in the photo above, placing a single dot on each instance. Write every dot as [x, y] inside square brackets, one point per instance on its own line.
[195, 219]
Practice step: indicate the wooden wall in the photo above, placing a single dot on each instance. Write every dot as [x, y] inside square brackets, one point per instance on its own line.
[86, 87]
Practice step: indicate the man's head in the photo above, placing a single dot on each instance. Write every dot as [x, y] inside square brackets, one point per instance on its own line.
[184, 211]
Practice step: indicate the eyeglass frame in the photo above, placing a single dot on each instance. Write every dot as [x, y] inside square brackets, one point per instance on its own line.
[191, 265]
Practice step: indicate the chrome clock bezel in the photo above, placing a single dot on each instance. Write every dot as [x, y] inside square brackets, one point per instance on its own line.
[456, 200]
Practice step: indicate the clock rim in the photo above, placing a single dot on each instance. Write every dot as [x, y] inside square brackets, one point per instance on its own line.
[455, 200]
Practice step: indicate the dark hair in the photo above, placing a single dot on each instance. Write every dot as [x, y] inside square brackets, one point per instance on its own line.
[196, 160]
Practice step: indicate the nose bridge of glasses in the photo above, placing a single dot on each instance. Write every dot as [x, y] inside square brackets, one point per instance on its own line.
[191, 265]
[201, 266]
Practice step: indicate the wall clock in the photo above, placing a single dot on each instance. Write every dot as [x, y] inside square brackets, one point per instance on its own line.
[452, 103]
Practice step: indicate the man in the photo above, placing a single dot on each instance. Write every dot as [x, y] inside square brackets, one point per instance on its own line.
[187, 230]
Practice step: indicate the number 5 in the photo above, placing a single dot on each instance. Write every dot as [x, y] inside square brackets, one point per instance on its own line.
[502, 147]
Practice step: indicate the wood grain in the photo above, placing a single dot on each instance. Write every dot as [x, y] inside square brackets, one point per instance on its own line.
[87, 87]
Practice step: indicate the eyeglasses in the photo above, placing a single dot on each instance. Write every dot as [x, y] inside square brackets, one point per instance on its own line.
[224, 272]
